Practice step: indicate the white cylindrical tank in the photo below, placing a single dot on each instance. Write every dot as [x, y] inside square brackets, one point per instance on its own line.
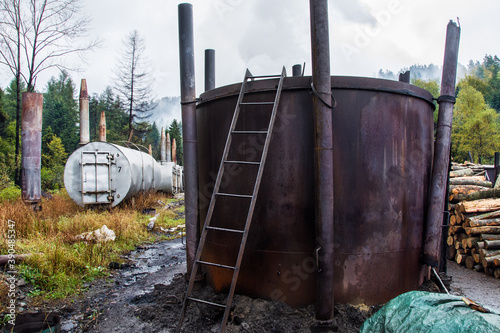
[105, 173]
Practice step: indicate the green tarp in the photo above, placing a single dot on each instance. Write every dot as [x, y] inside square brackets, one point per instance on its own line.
[421, 311]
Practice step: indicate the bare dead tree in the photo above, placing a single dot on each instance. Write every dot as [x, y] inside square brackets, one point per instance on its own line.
[10, 55]
[133, 79]
[36, 35]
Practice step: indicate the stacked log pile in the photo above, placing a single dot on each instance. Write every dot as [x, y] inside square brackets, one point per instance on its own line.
[474, 231]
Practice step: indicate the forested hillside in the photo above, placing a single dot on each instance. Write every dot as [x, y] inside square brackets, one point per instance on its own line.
[476, 124]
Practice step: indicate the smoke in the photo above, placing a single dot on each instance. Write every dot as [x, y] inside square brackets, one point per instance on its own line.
[354, 11]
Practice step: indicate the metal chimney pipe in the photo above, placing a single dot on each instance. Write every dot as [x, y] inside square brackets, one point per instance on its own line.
[323, 158]
[31, 153]
[102, 127]
[163, 147]
[150, 150]
[174, 151]
[297, 70]
[169, 149]
[439, 177]
[189, 134]
[209, 69]
[84, 113]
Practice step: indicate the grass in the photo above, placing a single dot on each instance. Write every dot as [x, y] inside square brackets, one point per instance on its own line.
[58, 265]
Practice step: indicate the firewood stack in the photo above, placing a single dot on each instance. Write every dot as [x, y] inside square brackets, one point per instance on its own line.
[474, 232]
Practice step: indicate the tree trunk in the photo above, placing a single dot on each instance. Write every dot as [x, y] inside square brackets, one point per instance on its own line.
[490, 236]
[483, 230]
[476, 257]
[489, 261]
[470, 242]
[477, 195]
[486, 222]
[489, 253]
[492, 244]
[461, 256]
[469, 262]
[455, 229]
[461, 173]
[479, 181]
[479, 206]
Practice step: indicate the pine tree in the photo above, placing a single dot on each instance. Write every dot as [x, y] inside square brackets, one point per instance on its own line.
[60, 111]
[153, 139]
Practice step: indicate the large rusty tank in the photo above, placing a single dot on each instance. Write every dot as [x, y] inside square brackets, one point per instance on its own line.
[383, 145]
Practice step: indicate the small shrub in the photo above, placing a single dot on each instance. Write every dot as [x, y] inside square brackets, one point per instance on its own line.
[10, 193]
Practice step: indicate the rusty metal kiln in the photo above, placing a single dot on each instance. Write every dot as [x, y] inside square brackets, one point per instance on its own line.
[383, 143]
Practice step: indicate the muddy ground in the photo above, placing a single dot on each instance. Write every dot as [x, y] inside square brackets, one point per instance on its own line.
[147, 297]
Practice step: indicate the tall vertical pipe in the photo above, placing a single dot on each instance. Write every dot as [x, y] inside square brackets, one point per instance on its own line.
[163, 147]
[297, 70]
[209, 69]
[174, 151]
[439, 177]
[189, 134]
[169, 149]
[323, 158]
[102, 127]
[31, 152]
[84, 113]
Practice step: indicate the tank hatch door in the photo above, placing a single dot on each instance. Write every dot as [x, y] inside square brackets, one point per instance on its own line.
[96, 177]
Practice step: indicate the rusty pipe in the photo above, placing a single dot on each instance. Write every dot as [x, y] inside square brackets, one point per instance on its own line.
[297, 70]
[102, 127]
[439, 177]
[174, 151]
[163, 147]
[209, 69]
[31, 152]
[84, 113]
[189, 129]
[323, 158]
[169, 149]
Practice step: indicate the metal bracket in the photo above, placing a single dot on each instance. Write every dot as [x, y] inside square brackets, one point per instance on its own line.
[446, 98]
[321, 99]
[316, 252]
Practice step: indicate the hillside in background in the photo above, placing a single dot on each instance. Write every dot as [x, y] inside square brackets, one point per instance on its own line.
[167, 109]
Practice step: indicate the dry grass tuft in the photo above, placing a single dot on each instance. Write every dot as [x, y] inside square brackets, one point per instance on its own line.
[59, 264]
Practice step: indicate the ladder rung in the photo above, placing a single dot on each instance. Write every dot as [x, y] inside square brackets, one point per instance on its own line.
[243, 162]
[249, 132]
[216, 265]
[225, 229]
[235, 195]
[206, 302]
[263, 76]
[257, 103]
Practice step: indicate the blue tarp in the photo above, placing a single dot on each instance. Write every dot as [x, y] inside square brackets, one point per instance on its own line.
[421, 311]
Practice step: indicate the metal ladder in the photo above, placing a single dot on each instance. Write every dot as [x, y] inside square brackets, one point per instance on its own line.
[253, 197]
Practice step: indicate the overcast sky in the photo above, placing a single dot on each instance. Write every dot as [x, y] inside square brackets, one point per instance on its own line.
[264, 35]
